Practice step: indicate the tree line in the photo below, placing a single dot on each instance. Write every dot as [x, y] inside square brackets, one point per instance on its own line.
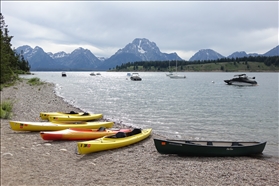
[12, 63]
[147, 65]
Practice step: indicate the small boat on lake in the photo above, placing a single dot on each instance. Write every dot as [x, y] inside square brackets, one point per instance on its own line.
[135, 77]
[169, 74]
[177, 76]
[208, 148]
[92, 74]
[241, 79]
[64, 74]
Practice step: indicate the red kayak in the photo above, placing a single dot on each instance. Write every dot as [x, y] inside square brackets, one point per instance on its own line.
[80, 134]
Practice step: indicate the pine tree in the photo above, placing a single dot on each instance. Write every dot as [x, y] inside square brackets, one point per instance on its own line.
[11, 62]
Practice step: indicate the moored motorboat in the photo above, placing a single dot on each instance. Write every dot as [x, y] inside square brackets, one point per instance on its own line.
[208, 148]
[80, 134]
[135, 77]
[241, 79]
[80, 117]
[177, 76]
[49, 126]
[118, 140]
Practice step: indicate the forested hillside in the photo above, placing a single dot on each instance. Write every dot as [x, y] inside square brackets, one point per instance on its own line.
[256, 64]
[12, 63]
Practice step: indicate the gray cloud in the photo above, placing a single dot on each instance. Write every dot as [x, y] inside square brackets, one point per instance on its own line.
[182, 27]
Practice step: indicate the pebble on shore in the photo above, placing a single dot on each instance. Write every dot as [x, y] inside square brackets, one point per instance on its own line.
[26, 159]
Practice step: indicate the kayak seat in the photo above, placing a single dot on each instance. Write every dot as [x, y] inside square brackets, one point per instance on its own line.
[209, 143]
[72, 112]
[102, 129]
[85, 114]
[120, 135]
[236, 144]
[134, 132]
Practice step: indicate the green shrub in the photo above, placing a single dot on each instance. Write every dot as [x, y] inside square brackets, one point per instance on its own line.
[6, 109]
[35, 81]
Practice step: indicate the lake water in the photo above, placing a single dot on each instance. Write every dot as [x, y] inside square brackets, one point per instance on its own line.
[201, 106]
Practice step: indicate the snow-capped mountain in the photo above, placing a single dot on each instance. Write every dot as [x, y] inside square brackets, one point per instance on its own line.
[58, 55]
[37, 58]
[81, 59]
[140, 49]
[206, 54]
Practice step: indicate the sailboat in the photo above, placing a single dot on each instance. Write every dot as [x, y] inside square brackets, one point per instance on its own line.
[176, 76]
[170, 72]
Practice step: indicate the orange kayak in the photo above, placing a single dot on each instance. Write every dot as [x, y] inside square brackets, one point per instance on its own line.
[80, 134]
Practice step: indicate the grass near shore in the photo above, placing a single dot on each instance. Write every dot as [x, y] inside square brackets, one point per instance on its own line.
[6, 109]
[6, 106]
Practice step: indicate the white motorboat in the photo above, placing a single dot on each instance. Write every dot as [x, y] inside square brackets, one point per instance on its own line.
[176, 76]
[135, 77]
[241, 79]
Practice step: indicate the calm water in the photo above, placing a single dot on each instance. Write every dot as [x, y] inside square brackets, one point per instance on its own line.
[201, 106]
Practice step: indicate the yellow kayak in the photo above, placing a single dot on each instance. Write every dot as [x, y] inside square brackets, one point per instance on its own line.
[79, 117]
[118, 140]
[45, 115]
[49, 126]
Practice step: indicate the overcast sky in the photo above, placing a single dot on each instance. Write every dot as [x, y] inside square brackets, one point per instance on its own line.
[181, 27]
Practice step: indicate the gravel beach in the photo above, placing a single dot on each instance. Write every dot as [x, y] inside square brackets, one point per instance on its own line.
[26, 159]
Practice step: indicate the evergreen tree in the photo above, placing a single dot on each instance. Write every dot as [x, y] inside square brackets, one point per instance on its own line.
[11, 62]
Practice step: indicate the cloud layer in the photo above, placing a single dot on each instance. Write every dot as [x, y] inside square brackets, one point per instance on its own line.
[182, 27]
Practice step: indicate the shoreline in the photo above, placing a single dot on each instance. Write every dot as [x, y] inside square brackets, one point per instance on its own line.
[26, 159]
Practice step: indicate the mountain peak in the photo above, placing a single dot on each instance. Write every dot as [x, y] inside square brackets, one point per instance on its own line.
[206, 54]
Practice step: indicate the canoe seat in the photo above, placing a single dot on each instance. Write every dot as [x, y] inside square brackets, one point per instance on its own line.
[102, 129]
[120, 135]
[209, 143]
[189, 142]
[236, 144]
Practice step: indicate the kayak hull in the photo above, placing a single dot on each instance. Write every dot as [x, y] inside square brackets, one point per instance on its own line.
[49, 126]
[79, 134]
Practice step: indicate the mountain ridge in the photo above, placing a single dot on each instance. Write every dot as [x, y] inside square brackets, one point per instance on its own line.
[140, 49]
